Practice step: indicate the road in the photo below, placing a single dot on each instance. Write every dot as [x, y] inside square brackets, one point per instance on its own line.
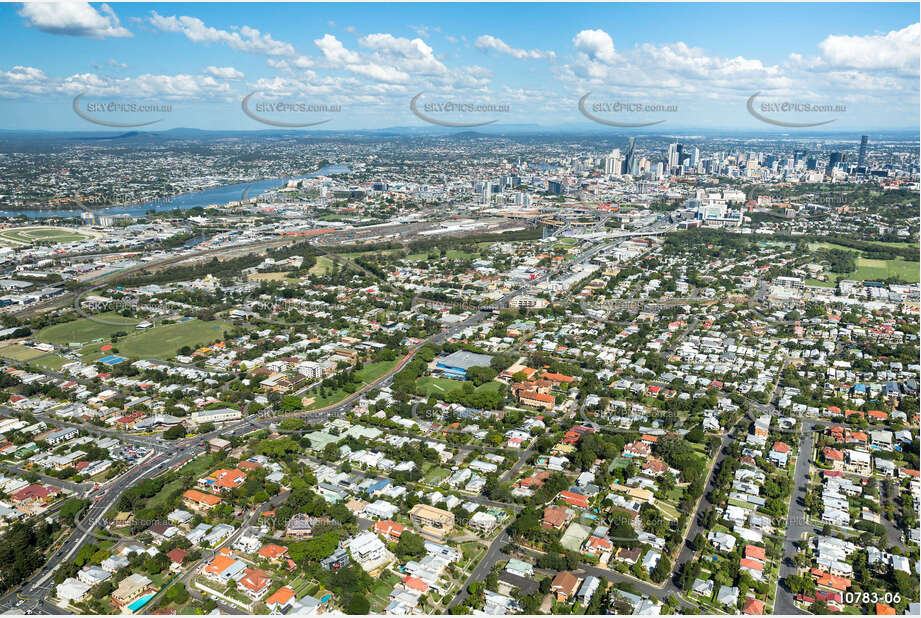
[483, 567]
[38, 587]
[797, 524]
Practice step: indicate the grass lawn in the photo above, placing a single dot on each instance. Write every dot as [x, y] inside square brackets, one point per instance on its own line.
[380, 593]
[367, 374]
[439, 387]
[450, 254]
[436, 475]
[373, 371]
[49, 361]
[824, 284]
[200, 465]
[323, 266]
[21, 353]
[280, 276]
[27, 235]
[870, 270]
[83, 330]
[668, 510]
[164, 493]
[162, 342]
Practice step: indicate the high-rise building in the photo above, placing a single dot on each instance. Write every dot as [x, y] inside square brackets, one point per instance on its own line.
[834, 159]
[630, 156]
[674, 155]
[862, 155]
[613, 163]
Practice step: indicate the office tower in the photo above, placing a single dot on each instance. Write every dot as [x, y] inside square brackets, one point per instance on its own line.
[812, 164]
[629, 156]
[834, 159]
[555, 187]
[613, 163]
[862, 156]
[674, 155]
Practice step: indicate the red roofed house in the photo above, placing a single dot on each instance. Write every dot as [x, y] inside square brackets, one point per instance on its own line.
[834, 457]
[754, 568]
[273, 552]
[754, 552]
[884, 610]
[753, 607]
[255, 583]
[389, 529]
[33, 496]
[176, 557]
[556, 517]
[280, 600]
[597, 546]
[574, 499]
[877, 415]
[414, 584]
[637, 449]
[537, 400]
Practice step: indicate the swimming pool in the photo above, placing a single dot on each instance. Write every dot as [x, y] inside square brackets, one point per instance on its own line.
[141, 602]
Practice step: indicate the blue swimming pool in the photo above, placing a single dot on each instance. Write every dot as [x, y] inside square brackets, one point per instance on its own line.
[141, 602]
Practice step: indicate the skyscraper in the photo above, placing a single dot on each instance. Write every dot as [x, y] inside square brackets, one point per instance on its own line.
[862, 155]
[834, 159]
[629, 155]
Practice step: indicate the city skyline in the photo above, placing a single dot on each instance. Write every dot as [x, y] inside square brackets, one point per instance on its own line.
[694, 66]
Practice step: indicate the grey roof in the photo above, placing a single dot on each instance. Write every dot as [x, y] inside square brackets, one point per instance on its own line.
[465, 360]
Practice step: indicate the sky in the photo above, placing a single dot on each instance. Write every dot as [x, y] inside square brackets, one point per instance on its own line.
[360, 66]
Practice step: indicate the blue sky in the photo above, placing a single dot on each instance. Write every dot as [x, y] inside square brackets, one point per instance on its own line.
[695, 64]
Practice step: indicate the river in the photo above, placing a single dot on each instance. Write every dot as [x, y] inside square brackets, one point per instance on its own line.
[217, 195]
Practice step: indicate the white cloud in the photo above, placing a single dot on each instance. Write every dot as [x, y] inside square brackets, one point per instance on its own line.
[21, 80]
[228, 73]
[335, 52]
[898, 49]
[74, 19]
[413, 56]
[487, 42]
[596, 45]
[243, 38]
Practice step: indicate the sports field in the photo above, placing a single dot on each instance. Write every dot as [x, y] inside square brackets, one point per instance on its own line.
[22, 236]
[20, 353]
[439, 387]
[161, 342]
[322, 267]
[32, 357]
[279, 276]
[84, 330]
[875, 270]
